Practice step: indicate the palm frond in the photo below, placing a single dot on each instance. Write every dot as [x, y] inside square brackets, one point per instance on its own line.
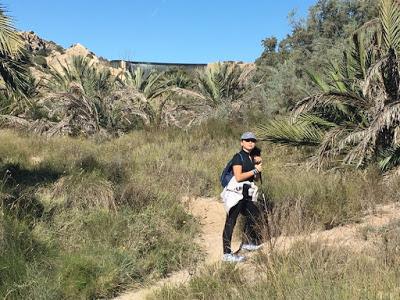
[368, 84]
[359, 56]
[317, 80]
[338, 103]
[390, 20]
[14, 74]
[223, 83]
[389, 158]
[310, 119]
[189, 93]
[389, 117]
[391, 76]
[338, 80]
[282, 131]
[11, 43]
[329, 149]
[356, 146]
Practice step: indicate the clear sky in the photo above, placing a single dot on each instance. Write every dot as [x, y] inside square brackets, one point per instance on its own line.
[181, 31]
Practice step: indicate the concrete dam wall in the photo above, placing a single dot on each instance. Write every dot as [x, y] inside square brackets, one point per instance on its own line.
[132, 65]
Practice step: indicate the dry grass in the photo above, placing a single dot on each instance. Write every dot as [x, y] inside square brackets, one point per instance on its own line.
[84, 191]
[117, 203]
[307, 271]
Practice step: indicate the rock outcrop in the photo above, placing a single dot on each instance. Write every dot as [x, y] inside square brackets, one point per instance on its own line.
[47, 54]
[38, 46]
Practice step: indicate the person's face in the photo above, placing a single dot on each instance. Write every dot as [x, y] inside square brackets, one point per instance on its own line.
[248, 144]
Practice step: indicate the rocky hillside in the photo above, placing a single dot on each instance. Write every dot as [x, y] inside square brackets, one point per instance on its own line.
[47, 54]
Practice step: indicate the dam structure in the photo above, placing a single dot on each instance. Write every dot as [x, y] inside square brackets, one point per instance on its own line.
[148, 66]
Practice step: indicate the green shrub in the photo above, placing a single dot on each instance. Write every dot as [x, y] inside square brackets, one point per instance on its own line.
[43, 52]
[40, 60]
[79, 275]
[85, 191]
[60, 49]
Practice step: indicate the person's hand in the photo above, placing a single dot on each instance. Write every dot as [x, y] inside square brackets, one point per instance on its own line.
[257, 160]
[258, 167]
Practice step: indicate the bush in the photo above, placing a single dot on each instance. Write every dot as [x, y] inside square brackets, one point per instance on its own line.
[40, 60]
[85, 191]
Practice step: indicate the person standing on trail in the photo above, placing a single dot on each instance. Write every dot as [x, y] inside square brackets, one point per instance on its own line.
[245, 170]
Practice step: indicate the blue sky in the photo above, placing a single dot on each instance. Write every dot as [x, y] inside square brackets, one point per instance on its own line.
[181, 31]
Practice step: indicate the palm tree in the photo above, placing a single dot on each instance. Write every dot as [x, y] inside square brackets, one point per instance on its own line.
[145, 95]
[222, 83]
[12, 71]
[94, 81]
[355, 117]
[218, 89]
[17, 86]
[76, 97]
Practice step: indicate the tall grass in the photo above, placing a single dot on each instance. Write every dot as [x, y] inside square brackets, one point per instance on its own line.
[307, 271]
[107, 214]
[306, 199]
[107, 222]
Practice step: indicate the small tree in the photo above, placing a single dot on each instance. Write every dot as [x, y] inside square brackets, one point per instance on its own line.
[355, 118]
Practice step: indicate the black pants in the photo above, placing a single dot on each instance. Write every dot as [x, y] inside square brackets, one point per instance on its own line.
[252, 214]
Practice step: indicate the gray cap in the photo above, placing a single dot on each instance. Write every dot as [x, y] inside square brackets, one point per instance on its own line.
[248, 135]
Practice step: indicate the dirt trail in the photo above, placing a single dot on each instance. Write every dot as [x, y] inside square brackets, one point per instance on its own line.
[349, 236]
[211, 215]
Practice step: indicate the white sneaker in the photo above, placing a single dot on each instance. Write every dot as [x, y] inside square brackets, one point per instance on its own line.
[229, 257]
[251, 247]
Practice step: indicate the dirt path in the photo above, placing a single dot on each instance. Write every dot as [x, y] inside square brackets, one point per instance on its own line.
[349, 236]
[211, 216]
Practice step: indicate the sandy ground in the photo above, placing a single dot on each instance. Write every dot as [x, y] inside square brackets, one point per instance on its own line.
[211, 215]
[349, 236]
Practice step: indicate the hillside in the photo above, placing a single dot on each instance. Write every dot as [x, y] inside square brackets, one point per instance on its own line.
[49, 55]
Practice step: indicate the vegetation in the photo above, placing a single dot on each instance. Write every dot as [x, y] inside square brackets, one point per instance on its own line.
[15, 80]
[92, 180]
[107, 217]
[90, 221]
[314, 42]
[93, 99]
[353, 119]
[10, 51]
[309, 271]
